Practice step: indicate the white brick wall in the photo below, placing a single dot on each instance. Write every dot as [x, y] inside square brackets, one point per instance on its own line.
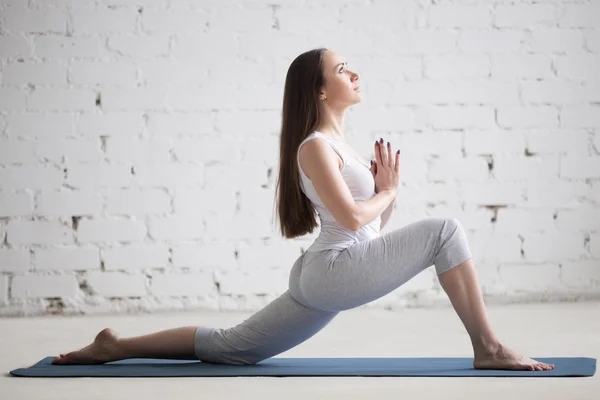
[139, 144]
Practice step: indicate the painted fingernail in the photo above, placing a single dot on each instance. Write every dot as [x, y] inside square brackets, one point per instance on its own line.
[376, 142]
[388, 144]
[381, 140]
[371, 162]
[398, 152]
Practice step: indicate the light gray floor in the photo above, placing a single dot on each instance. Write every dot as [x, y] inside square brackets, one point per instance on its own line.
[542, 330]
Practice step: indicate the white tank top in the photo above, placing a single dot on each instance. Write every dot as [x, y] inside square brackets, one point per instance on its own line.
[360, 181]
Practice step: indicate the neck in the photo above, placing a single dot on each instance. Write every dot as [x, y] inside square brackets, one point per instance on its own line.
[332, 124]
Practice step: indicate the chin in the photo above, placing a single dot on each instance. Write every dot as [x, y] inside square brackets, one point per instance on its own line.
[354, 100]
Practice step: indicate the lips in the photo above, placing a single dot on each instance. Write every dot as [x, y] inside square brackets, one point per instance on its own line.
[356, 88]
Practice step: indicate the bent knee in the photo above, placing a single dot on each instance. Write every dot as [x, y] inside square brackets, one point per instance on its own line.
[449, 223]
[454, 223]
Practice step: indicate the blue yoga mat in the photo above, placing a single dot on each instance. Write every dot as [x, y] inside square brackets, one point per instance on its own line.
[146, 367]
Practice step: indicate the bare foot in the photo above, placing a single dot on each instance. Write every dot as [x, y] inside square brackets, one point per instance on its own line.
[102, 350]
[502, 357]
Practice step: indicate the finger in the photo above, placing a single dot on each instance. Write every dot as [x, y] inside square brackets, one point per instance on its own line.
[397, 166]
[382, 154]
[377, 155]
[389, 155]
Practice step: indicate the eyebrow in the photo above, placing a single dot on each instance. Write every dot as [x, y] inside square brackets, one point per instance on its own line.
[342, 63]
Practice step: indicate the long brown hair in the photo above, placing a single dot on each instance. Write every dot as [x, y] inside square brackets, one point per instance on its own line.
[301, 115]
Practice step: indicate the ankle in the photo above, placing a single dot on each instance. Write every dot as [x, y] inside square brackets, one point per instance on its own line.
[118, 350]
[486, 345]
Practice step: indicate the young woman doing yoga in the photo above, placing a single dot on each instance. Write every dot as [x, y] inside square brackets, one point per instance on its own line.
[350, 263]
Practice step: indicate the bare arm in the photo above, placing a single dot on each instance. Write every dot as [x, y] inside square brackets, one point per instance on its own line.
[320, 163]
[387, 214]
[367, 211]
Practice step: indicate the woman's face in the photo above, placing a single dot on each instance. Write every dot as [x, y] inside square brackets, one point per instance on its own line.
[341, 88]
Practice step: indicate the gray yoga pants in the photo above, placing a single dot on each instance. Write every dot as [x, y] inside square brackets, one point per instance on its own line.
[326, 282]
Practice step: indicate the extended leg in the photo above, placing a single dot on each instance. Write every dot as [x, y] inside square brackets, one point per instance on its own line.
[176, 343]
[282, 324]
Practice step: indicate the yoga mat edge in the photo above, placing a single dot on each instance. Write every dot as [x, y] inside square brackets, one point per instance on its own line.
[409, 367]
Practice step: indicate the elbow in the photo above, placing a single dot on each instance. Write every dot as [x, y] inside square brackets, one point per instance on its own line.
[354, 223]
[355, 227]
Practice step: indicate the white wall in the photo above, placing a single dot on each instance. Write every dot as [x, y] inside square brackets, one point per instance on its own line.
[139, 139]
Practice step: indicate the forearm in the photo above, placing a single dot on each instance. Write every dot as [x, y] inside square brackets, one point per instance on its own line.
[386, 215]
[367, 211]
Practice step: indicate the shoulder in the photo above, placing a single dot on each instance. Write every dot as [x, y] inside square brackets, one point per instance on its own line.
[316, 151]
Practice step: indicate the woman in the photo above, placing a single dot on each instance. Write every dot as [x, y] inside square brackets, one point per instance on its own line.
[350, 263]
